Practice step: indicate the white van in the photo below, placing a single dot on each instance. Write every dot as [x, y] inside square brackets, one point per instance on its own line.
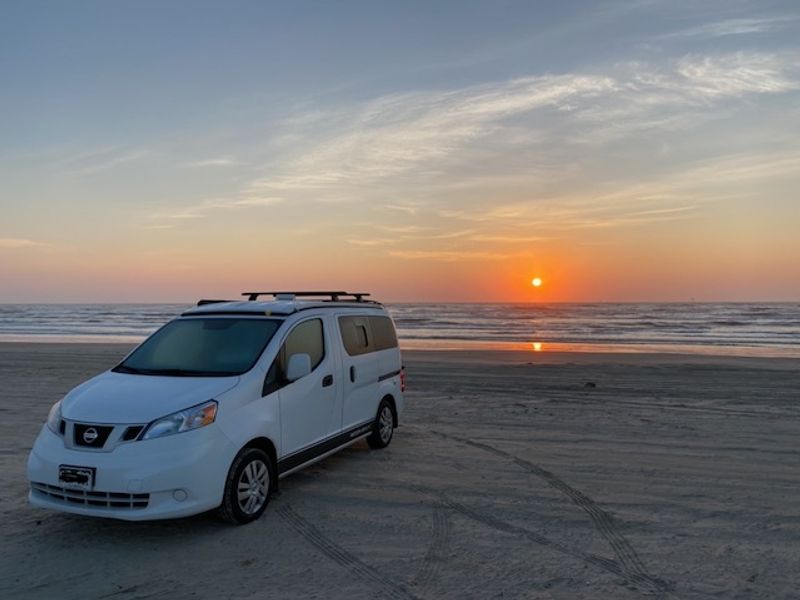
[219, 403]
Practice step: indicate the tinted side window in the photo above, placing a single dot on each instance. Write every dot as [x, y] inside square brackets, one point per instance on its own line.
[354, 335]
[383, 333]
[305, 338]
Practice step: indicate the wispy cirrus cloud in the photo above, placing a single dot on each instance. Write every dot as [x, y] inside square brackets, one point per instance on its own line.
[739, 26]
[464, 171]
[671, 196]
[400, 229]
[736, 75]
[371, 242]
[452, 255]
[420, 132]
[15, 243]
[429, 137]
[410, 209]
[222, 161]
[166, 217]
[105, 159]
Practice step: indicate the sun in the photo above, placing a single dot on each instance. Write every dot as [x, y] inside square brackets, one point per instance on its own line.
[536, 282]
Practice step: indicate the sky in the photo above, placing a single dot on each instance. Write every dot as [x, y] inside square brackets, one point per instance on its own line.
[423, 151]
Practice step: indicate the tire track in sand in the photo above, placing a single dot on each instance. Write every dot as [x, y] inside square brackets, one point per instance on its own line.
[335, 552]
[607, 564]
[435, 555]
[628, 559]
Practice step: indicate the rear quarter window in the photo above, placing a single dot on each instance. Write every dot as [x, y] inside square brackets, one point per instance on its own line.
[383, 333]
[364, 334]
[355, 335]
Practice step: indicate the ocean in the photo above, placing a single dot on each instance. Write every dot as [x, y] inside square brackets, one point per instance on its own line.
[757, 329]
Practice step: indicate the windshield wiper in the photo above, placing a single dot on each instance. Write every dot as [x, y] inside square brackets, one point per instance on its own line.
[127, 369]
[173, 372]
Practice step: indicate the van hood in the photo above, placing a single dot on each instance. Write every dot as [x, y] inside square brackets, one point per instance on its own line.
[123, 398]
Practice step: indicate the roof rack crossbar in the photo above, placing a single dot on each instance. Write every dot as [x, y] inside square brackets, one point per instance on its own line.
[335, 296]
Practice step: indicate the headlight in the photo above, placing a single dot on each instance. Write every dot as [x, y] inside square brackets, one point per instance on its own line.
[54, 418]
[185, 420]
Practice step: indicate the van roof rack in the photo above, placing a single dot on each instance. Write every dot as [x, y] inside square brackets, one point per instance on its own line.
[205, 301]
[332, 296]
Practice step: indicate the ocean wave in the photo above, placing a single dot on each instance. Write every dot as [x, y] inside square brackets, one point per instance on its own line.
[691, 324]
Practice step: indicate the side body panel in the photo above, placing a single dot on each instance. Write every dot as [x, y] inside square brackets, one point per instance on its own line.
[360, 376]
[311, 406]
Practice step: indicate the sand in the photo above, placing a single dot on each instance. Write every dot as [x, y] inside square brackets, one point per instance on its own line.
[670, 477]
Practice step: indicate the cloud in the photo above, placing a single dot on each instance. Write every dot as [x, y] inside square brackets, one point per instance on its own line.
[738, 169]
[105, 159]
[529, 223]
[202, 209]
[423, 139]
[509, 238]
[400, 229]
[450, 255]
[519, 161]
[14, 243]
[396, 134]
[370, 242]
[735, 75]
[671, 196]
[251, 201]
[213, 162]
[411, 209]
[740, 26]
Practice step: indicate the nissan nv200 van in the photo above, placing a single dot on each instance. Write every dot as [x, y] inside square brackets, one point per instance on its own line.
[218, 404]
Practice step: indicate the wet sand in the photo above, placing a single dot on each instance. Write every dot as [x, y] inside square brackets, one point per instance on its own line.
[514, 475]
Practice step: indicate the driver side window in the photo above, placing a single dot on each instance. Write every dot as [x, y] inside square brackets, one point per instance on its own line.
[306, 338]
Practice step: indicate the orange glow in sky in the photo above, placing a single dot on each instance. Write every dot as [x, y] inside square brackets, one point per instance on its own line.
[621, 172]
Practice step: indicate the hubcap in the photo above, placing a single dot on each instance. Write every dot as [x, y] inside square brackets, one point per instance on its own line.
[253, 487]
[386, 424]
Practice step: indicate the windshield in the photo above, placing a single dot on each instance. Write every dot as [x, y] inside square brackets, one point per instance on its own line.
[202, 347]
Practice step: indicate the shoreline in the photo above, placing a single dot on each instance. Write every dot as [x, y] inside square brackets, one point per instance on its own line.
[533, 350]
[503, 355]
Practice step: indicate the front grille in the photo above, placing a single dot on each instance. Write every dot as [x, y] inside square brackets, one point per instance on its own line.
[87, 498]
[91, 436]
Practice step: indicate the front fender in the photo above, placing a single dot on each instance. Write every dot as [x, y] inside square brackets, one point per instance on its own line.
[249, 415]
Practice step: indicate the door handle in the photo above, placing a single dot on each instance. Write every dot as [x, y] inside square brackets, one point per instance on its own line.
[353, 374]
[327, 380]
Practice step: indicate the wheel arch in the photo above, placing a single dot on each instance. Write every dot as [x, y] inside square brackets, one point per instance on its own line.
[393, 405]
[265, 444]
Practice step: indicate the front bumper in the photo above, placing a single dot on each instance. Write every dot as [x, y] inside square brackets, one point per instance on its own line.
[173, 476]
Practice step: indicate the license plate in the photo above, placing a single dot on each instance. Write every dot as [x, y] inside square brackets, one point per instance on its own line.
[76, 478]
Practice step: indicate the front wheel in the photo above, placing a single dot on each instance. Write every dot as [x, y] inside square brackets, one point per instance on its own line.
[247, 488]
[383, 428]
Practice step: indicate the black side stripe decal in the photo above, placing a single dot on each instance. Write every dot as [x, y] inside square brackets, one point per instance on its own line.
[302, 456]
[389, 375]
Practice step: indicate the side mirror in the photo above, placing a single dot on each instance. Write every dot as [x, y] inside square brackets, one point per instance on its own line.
[299, 366]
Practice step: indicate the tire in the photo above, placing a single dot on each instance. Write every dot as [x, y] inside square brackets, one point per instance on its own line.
[253, 472]
[383, 427]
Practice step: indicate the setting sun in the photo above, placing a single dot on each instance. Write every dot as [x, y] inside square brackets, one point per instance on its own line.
[536, 282]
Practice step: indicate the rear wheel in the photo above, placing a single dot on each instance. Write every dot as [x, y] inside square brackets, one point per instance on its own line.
[248, 486]
[383, 428]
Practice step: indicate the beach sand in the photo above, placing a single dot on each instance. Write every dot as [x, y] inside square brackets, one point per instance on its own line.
[513, 475]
